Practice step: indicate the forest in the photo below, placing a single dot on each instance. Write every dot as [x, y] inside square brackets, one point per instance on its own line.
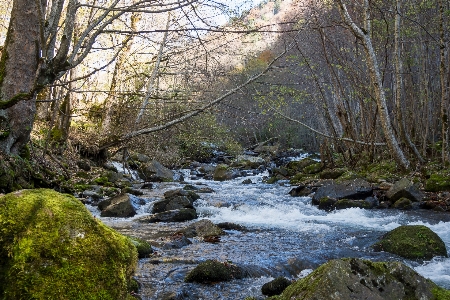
[359, 89]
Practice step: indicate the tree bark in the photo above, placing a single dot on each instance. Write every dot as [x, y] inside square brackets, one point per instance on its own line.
[18, 66]
[444, 83]
[374, 71]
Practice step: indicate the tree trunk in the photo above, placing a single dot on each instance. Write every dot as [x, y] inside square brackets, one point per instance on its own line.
[18, 66]
[444, 83]
[375, 77]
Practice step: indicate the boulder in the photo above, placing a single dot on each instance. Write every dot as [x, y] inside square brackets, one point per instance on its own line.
[275, 287]
[331, 173]
[231, 226]
[300, 191]
[353, 278]
[144, 249]
[177, 241]
[172, 203]
[438, 182]
[247, 181]
[120, 206]
[221, 173]
[413, 242]
[349, 203]
[313, 169]
[214, 271]
[403, 203]
[404, 188]
[351, 189]
[202, 228]
[181, 192]
[52, 248]
[155, 172]
[177, 215]
[298, 166]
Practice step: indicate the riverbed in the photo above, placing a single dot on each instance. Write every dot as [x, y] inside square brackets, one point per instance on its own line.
[286, 236]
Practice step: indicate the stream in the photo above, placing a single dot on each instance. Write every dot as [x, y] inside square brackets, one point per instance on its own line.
[286, 236]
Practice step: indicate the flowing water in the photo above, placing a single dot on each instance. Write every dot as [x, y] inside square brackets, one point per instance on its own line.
[286, 236]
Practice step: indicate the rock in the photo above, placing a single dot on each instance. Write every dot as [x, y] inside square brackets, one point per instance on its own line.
[327, 203]
[206, 190]
[351, 189]
[120, 206]
[413, 242]
[275, 287]
[147, 186]
[109, 166]
[214, 271]
[177, 241]
[438, 182]
[404, 188]
[300, 191]
[172, 203]
[352, 278]
[221, 173]
[313, 169]
[181, 192]
[231, 226]
[298, 166]
[403, 203]
[144, 249]
[178, 215]
[62, 252]
[154, 171]
[247, 181]
[349, 203]
[84, 165]
[202, 228]
[249, 161]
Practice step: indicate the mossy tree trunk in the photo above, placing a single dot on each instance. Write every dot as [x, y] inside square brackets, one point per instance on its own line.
[18, 66]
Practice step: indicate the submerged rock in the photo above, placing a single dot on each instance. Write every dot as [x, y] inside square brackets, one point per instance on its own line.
[362, 279]
[413, 242]
[52, 248]
[214, 271]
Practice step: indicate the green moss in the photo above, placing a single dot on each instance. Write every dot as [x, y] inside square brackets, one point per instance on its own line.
[313, 169]
[440, 293]
[102, 181]
[213, 271]
[52, 248]
[271, 180]
[346, 203]
[438, 182]
[413, 242]
[144, 249]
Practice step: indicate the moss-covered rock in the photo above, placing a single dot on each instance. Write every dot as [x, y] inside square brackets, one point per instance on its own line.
[361, 279]
[403, 203]
[313, 169]
[213, 271]
[221, 173]
[52, 248]
[275, 287]
[202, 228]
[413, 242]
[438, 182]
[144, 249]
[348, 203]
[332, 173]
[301, 164]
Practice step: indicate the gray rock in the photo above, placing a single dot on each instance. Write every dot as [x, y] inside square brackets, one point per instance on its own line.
[275, 287]
[172, 203]
[120, 206]
[177, 242]
[361, 279]
[109, 166]
[351, 189]
[154, 171]
[300, 191]
[403, 203]
[178, 215]
[404, 188]
[202, 228]
[221, 173]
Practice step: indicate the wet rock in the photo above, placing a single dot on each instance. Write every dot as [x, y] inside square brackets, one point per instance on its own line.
[202, 228]
[351, 189]
[177, 241]
[404, 188]
[413, 242]
[214, 271]
[147, 186]
[178, 215]
[349, 203]
[143, 247]
[313, 169]
[331, 173]
[361, 279]
[172, 203]
[275, 287]
[120, 206]
[403, 203]
[300, 191]
[205, 190]
[154, 171]
[221, 173]
[192, 196]
[231, 226]
[247, 181]
[109, 166]
[327, 203]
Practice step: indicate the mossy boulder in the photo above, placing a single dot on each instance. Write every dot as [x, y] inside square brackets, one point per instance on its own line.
[331, 173]
[349, 203]
[52, 248]
[413, 242]
[222, 173]
[438, 182]
[202, 228]
[298, 166]
[403, 203]
[362, 279]
[144, 249]
[313, 169]
[214, 271]
[275, 287]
